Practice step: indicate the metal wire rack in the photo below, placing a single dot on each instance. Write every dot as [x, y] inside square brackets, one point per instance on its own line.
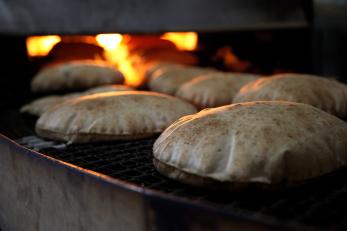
[318, 205]
[322, 204]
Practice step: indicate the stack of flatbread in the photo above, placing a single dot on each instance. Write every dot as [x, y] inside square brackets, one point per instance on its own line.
[268, 142]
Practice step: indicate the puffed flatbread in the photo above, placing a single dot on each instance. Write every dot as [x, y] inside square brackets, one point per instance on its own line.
[108, 88]
[259, 143]
[75, 75]
[214, 89]
[152, 67]
[39, 106]
[169, 79]
[111, 116]
[326, 94]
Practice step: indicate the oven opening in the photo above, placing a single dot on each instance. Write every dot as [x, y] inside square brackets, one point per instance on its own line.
[129, 53]
[263, 52]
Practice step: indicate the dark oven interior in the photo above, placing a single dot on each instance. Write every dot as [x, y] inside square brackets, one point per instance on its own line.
[266, 52]
[318, 205]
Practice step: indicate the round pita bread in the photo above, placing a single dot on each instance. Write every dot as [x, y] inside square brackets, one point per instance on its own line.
[75, 75]
[39, 106]
[214, 89]
[266, 143]
[111, 116]
[169, 79]
[108, 88]
[326, 94]
[152, 67]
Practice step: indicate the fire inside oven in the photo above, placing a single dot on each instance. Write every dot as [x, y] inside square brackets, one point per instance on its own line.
[126, 52]
[262, 52]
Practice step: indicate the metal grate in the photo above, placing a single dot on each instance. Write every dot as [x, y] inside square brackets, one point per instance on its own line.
[321, 204]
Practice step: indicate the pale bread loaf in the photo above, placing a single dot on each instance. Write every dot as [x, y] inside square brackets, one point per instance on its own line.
[214, 89]
[39, 106]
[111, 116]
[75, 75]
[265, 143]
[169, 79]
[326, 94]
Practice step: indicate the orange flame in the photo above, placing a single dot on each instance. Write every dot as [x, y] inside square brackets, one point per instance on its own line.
[116, 52]
[115, 49]
[183, 40]
[41, 45]
[109, 41]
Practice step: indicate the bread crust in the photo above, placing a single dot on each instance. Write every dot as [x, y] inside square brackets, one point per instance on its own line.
[268, 142]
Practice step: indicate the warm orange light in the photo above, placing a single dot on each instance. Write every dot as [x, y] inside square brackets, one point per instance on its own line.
[183, 40]
[116, 52]
[109, 41]
[41, 45]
